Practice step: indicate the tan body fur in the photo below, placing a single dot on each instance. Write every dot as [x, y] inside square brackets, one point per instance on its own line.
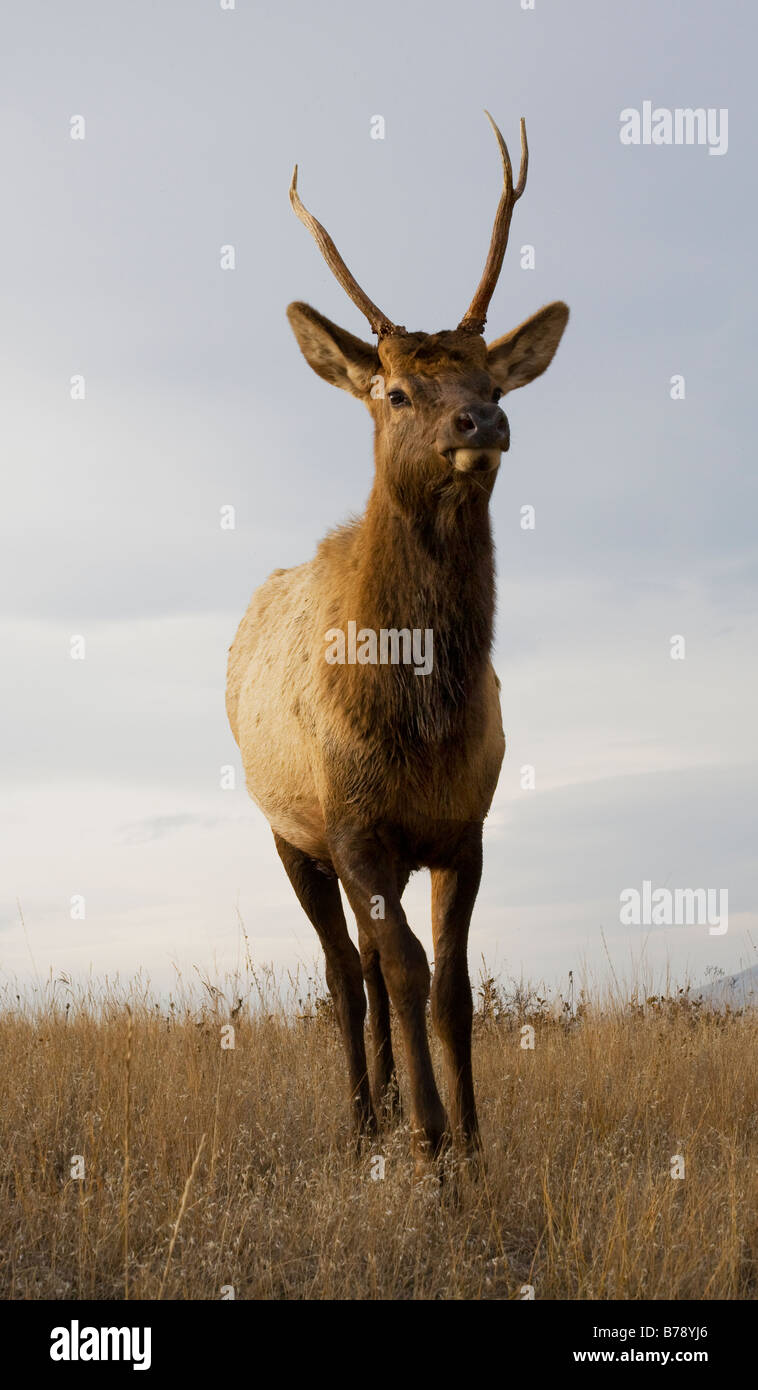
[286, 708]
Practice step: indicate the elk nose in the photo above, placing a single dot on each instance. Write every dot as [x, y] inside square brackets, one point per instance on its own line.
[482, 425]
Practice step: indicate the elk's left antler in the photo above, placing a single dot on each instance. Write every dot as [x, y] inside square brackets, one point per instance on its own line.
[475, 317]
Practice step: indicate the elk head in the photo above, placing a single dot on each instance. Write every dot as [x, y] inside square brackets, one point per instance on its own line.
[433, 396]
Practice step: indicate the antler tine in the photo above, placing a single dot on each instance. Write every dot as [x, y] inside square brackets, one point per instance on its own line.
[380, 324]
[476, 315]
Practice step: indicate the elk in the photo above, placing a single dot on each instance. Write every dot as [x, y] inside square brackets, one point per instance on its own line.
[368, 770]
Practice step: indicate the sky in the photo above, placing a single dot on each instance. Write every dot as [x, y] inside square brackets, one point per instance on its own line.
[196, 398]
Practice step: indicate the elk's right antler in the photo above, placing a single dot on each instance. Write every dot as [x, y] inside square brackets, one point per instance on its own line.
[476, 315]
[380, 324]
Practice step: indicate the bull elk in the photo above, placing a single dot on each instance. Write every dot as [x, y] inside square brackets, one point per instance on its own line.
[369, 768]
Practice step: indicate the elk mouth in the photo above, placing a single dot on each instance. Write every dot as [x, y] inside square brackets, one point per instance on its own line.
[474, 460]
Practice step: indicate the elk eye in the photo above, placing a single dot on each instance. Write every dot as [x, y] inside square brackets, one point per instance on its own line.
[397, 398]
[496, 394]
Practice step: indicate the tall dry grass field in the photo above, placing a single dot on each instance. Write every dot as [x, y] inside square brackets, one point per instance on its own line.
[207, 1167]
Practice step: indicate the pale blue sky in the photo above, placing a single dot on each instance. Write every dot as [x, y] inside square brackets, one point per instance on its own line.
[197, 397]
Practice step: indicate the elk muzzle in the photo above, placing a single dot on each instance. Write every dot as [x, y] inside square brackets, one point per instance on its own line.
[474, 436]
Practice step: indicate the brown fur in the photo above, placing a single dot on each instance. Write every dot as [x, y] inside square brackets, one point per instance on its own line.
[367, 772]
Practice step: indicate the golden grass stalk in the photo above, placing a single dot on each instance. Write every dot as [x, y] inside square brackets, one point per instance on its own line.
[127, 1130]
[180, 1214]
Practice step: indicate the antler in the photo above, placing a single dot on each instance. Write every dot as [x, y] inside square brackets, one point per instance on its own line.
[476, 315]
[380, 324]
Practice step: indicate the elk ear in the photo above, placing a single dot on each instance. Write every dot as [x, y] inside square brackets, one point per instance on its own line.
[332, 352]
[529, 349]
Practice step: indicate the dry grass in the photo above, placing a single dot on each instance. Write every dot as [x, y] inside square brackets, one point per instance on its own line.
[207, 1167]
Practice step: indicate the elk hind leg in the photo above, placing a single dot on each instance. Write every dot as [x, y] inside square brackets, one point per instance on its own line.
[319, 896]
[454, 890]
[386, 1088]
[384, 1073]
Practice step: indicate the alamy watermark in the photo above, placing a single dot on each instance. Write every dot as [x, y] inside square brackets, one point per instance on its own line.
[675, 907]
[684, 125]
[390, 646]
[76, 1343]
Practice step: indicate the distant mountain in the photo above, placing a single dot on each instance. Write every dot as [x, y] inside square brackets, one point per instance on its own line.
[741, 990]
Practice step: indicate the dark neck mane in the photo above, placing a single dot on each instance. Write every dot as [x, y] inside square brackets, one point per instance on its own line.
[423, 564]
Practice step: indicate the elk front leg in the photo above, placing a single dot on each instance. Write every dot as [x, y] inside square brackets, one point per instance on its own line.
[367, 872]
[319, 896]
[454, 891]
